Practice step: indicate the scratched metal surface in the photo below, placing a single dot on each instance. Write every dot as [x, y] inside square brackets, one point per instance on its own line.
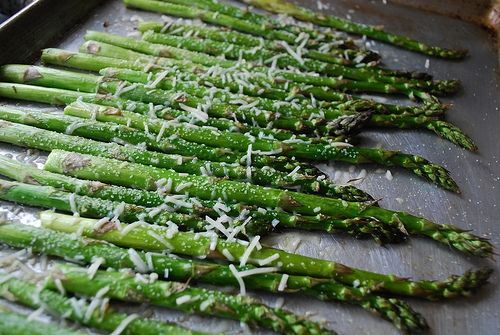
[476, 110]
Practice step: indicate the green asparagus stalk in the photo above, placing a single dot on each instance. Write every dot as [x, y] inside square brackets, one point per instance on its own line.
[364, 75]
[302, 150]
[95, 84]
[433, 123]
[188, 82]
[17, 324]
[240, 142]
[82, 312]
[348, 56]
[441, 128]
[315, 37]
[267, 89]
[144, 177]
[178, 146]
[107, 132]
[125, 286]
[357, 227]
[49, 197]
[87, 251]
[186, 244]
[303, 14]
[212, 18]
[230, 51]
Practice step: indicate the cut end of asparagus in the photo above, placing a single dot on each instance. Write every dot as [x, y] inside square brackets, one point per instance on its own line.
[452, 133]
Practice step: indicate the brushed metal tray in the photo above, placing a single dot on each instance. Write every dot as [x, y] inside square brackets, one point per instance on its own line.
[476, 110]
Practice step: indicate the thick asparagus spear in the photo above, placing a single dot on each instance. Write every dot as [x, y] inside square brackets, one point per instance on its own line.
[107, 132]
[87, 251]
[358, 74]
[285, 7]
[201, 246]
[12, 323]
[144, 177]
[82, 312]
[124, 286]
[377, 85]
[357, 227]
[48, 197]
[266, 89]
[303, 150]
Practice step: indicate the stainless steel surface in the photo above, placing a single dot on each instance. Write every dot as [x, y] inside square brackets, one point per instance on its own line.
[476, 110]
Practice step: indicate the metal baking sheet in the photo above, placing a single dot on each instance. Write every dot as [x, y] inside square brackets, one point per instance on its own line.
[476, 110]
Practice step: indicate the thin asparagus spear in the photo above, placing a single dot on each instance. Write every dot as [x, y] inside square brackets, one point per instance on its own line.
[303, 14]
[87, 251]
[230, 51]
[442, 128]
[125, 286]
[81, 312]
[346, 56]
[186, 244]
[144, 177]
[315, 37]
[213, 18]
[359, 74]
[12, 323]
[302, 150]
[107, 132]
[95, 84]
[267, 89]
[357, 227]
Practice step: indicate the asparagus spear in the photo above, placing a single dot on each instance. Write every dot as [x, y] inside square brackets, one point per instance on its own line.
[48, 197]
[357, 227]
[134, 71]
[304, 150]
[178, 146]
[94, 84]
[441, 128]
[144, 177]
[315, 37]
[17, 324]
[303, 14]
[186, 244]
[87, 251]
[267, 89]
[125, 286]
[163, 214]
[313, 152]
[359, 74]
[377, 84]
[107, 132]
[355, 56]
[82, 312]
